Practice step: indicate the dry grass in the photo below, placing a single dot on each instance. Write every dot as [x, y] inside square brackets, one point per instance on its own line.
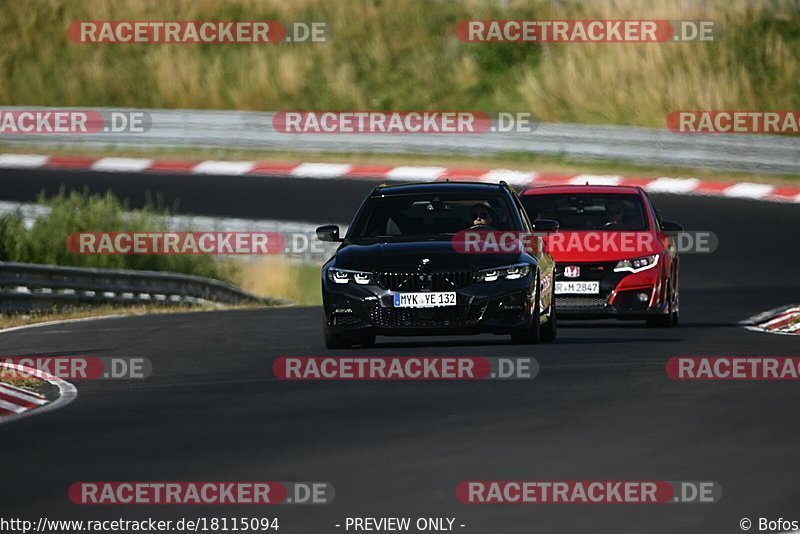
[277, 277]
[754, 65]
[403, 54]
[19, 379]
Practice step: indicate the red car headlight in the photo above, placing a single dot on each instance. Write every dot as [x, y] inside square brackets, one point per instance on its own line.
[637, 265]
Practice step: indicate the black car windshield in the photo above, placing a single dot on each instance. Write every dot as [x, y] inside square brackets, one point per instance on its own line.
[431, 216]
[589, 211]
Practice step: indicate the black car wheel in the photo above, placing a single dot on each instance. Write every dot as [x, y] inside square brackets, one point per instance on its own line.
[365, 341]
[340, 341]
[549, 329]
[336, 341]
[531, 334]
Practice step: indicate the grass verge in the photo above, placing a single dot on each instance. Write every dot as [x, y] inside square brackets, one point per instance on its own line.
[404, 55]
[275, 276]
[44, 241]
[20, 380]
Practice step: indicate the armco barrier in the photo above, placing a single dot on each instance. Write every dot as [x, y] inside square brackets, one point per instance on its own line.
[254, 130]
[30, 287]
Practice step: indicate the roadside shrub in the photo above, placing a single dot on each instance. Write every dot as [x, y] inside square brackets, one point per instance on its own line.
[44, 241]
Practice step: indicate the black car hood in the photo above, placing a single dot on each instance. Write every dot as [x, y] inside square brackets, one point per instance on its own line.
[409, 255]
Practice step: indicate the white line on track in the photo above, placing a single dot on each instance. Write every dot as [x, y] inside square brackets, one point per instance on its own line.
[61, 321]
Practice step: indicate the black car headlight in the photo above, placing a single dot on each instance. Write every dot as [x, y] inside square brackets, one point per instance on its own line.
[637, 264]
[508, 272]
[344, 276]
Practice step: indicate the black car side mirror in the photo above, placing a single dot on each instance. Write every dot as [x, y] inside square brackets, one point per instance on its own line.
[545, 225]
[668, 226]
[329, 232]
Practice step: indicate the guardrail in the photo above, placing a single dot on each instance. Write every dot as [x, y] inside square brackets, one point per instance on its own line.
[254, 130]
[33, 287]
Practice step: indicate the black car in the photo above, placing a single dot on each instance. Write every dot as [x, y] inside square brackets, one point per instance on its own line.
[398, 271]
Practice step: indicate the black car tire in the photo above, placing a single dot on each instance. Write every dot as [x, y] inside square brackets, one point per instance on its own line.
[340, 341]
[365, 341]
[549, 330]
[334, 341]
[531, 334]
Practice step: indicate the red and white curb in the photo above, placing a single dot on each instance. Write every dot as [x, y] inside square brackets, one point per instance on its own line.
[18, 402]
[320, 171]
[14, 400]
[784, 320]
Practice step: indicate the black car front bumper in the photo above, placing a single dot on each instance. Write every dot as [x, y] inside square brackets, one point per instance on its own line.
[498, 307]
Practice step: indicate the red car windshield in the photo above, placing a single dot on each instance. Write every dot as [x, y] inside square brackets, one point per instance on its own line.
[585, 211]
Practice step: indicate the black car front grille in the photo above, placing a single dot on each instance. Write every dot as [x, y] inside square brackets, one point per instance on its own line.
[450, 316]
[345, 320]
[425, 281]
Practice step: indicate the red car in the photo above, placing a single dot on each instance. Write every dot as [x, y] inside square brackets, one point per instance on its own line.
[614, 255]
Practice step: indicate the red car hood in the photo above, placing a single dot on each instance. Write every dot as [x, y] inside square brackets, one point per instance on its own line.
[589, 246]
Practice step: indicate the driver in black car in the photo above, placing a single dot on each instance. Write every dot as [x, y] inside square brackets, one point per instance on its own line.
[481, 216]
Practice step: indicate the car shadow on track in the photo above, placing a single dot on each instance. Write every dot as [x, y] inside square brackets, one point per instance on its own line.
[562, 342]
[641, 326]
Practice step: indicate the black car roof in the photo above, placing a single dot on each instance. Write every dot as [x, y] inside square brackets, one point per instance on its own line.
[436, 187]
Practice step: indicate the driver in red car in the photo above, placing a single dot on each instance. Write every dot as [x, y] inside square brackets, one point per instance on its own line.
[615, 211]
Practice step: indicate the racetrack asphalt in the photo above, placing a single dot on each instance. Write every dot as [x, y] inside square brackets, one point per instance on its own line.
[602, 406]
